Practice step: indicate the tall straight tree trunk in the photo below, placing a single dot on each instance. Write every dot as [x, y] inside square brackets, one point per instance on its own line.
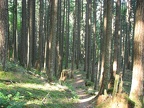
[67, 32]
[3, 30]
[45, 32]
[78, 33]
[15, 36]
[73, 42]
[101, 46]
[116, 62]
[103, 39]
[52, 41]
[88, 37]
[48, 35]
[23, 44]
[63, 32]
[104, 85]
[41, 34]
[93, 77]
[59, 49]
[31, 34]
[136, 93]
[86, 43]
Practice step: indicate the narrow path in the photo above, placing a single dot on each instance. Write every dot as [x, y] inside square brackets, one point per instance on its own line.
[84, 98]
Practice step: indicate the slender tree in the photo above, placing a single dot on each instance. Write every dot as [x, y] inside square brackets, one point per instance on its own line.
[23, 43]
[31, 34]
[104, 85]
[59, 36]
[73, 42]
[78, 33]
[15, 36]
[116, 55]
[103, 39]
[67, 32]
[41, 33]
[88, 37]
[94, 44]
[52, 41]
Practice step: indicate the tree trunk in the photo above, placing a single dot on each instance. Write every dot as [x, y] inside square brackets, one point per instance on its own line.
[23, 43]
[31, 34]
[136, 93]
[15, 35]
[78, 33]
[52, 41]
[104, 85]
[3, 30]
[116, 64]
[103, 39]
[41, 34]
[67, 33]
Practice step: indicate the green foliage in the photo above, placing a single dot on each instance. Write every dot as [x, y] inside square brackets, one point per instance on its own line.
[11, 101]
[88, 83]
[30, 92]
[14, 67]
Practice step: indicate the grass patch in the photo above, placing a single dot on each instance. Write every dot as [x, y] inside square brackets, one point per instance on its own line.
[32, 92]
[19, 77]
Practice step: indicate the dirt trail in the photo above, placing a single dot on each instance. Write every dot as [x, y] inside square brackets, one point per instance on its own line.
[84, 98]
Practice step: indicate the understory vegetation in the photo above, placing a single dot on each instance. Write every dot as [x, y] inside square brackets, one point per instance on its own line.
[20, 89]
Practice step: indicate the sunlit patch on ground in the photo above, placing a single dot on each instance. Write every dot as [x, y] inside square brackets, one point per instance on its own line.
[86, 99]
[46, 86]
[32, 92]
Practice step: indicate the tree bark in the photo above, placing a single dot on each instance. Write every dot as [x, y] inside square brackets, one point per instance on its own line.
[136, 93]
[104, 85]
[3, 31]
[52, 41]
[23, 43]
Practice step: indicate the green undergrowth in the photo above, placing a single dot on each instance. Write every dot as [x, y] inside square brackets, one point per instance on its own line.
[22, 90]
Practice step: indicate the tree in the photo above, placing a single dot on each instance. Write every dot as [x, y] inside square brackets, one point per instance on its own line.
[15, 36]
[67, 32]
[78, 18]
[23, 43]
[41, 34]
[31, 34]
[88, 37]
[3, 30]
[94, 44]
[116, 55]
[136, 93]
[107, 44]
[73, 42]
[116, 63]
[52, 41]
[103, 39]
[59, 37]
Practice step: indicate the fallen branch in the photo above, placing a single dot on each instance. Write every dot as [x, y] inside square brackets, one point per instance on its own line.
[10, 81]
[44, 99]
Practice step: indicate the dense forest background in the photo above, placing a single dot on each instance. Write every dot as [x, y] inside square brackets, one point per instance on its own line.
[96, 36]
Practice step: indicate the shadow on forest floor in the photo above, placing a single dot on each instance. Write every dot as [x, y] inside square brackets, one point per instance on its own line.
[30, 92]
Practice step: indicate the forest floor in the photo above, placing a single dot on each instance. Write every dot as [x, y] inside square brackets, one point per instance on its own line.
[85, 99]
[21, 88]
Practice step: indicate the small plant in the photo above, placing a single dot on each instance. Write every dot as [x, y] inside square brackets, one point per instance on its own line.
[11, 101]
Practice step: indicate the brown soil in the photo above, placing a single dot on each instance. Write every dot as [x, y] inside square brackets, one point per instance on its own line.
[85, 100]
